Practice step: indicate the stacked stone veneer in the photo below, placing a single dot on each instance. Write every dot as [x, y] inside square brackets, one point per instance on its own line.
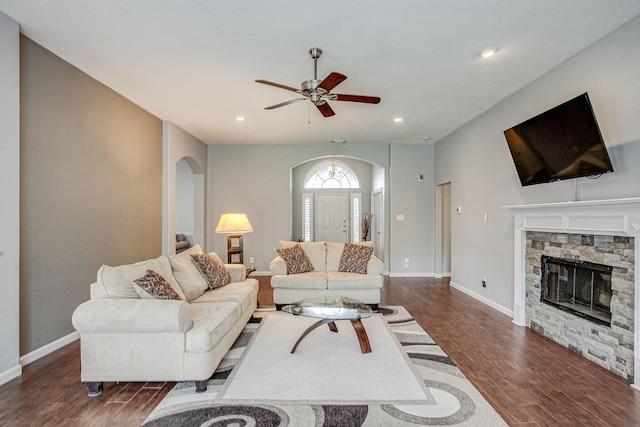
[610, 347]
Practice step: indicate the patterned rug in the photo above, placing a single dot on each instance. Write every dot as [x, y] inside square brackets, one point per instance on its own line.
[457, 401]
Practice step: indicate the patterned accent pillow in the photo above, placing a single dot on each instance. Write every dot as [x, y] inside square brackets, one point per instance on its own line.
[354, 258]
[154, 286]
[296, 259]
[212, 269]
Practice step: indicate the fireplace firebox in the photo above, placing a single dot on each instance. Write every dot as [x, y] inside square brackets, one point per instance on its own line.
[579, 287]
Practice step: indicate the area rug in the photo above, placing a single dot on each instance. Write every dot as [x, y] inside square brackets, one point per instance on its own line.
[443, 397]
[327, 367]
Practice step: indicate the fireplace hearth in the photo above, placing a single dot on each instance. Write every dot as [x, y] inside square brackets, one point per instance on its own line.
[579, 287]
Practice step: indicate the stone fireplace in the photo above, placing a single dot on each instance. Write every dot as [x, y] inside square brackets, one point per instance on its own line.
[603, 234]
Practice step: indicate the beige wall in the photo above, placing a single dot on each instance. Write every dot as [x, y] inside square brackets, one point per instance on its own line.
[91, 189]
[10, 196]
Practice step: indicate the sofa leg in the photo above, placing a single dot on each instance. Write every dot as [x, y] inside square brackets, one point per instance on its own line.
[374, 307]
[95, 388]
[201, 386]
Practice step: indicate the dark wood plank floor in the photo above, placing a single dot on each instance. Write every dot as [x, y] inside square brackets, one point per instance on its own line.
[528, 379]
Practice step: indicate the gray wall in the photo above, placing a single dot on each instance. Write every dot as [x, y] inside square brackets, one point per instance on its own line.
[91, 189]
[10, 196]
[256, 180]
[476, 160]
[412, 238]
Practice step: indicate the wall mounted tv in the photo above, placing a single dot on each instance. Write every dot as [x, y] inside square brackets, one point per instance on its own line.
[562, 143]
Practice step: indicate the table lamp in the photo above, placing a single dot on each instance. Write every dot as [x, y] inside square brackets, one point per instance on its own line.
[234, 225]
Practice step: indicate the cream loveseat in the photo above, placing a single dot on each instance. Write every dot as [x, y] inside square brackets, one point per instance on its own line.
[325, 279]
[125, 337]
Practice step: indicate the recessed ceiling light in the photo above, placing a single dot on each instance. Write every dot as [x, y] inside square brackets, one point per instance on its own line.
[488, 52]
[426, 138]
[240, 119]
[398, 119]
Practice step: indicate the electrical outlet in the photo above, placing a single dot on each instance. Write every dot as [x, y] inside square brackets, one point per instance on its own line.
[484, 282]
[406, 263]
[251, 260]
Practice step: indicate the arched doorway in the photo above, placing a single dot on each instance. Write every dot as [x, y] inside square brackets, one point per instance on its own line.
[336, 190]
[189, 202]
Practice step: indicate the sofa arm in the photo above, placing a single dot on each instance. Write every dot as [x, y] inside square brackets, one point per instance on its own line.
[131, 316]
[375, 265]
[278, 266]
[238, 272]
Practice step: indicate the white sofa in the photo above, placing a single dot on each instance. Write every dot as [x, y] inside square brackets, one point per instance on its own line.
[127, 338]
[325, 279]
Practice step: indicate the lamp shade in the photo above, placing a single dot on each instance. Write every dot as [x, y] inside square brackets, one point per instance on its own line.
[234, 223]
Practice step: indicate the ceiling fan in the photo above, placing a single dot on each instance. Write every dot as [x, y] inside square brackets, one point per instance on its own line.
[318, 91]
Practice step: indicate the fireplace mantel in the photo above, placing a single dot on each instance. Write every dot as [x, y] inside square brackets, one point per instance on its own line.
[614, 217]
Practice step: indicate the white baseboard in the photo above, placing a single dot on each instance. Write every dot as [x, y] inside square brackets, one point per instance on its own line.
[10, 374]
[482, 299]
[49, 348]
[441, 275]
[411, 275]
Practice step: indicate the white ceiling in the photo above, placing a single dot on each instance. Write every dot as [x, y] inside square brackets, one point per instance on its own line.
[194, 62]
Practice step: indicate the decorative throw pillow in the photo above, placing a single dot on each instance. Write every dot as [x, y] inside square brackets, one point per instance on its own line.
[153, 285]
[212, 269]
[187, 274]
[296, 259]
[354, 258]
[118, 281]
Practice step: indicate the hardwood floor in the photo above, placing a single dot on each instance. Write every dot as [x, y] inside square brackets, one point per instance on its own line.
[528, 379]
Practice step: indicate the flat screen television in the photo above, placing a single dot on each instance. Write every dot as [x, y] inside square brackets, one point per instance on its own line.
[562, 143]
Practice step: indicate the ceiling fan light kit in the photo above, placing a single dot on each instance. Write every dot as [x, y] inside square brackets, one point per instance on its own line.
[318, 92]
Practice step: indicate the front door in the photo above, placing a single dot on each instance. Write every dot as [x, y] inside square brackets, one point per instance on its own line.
[331, 217]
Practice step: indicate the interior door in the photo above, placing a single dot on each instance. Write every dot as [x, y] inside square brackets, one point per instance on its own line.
[377, 224]
[331, 217]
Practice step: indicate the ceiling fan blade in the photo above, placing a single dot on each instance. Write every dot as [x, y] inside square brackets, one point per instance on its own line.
[266, 82]
[357, 98]
[326, 110]
[331, 81]
[282, 104]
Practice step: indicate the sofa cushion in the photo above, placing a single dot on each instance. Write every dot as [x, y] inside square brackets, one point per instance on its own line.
[310, 280]
[244, 293]
[334, 253]
[212, 269]
[154, 286]
[187, 274]
[118, 281]
[296, 259]
[340, 280]
[316, 251]
[211, 322]
[354, 258]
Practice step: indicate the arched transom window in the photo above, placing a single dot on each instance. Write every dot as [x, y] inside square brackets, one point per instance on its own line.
[331, 174]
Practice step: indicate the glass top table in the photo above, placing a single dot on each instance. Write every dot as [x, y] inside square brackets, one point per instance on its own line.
[330, 309]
